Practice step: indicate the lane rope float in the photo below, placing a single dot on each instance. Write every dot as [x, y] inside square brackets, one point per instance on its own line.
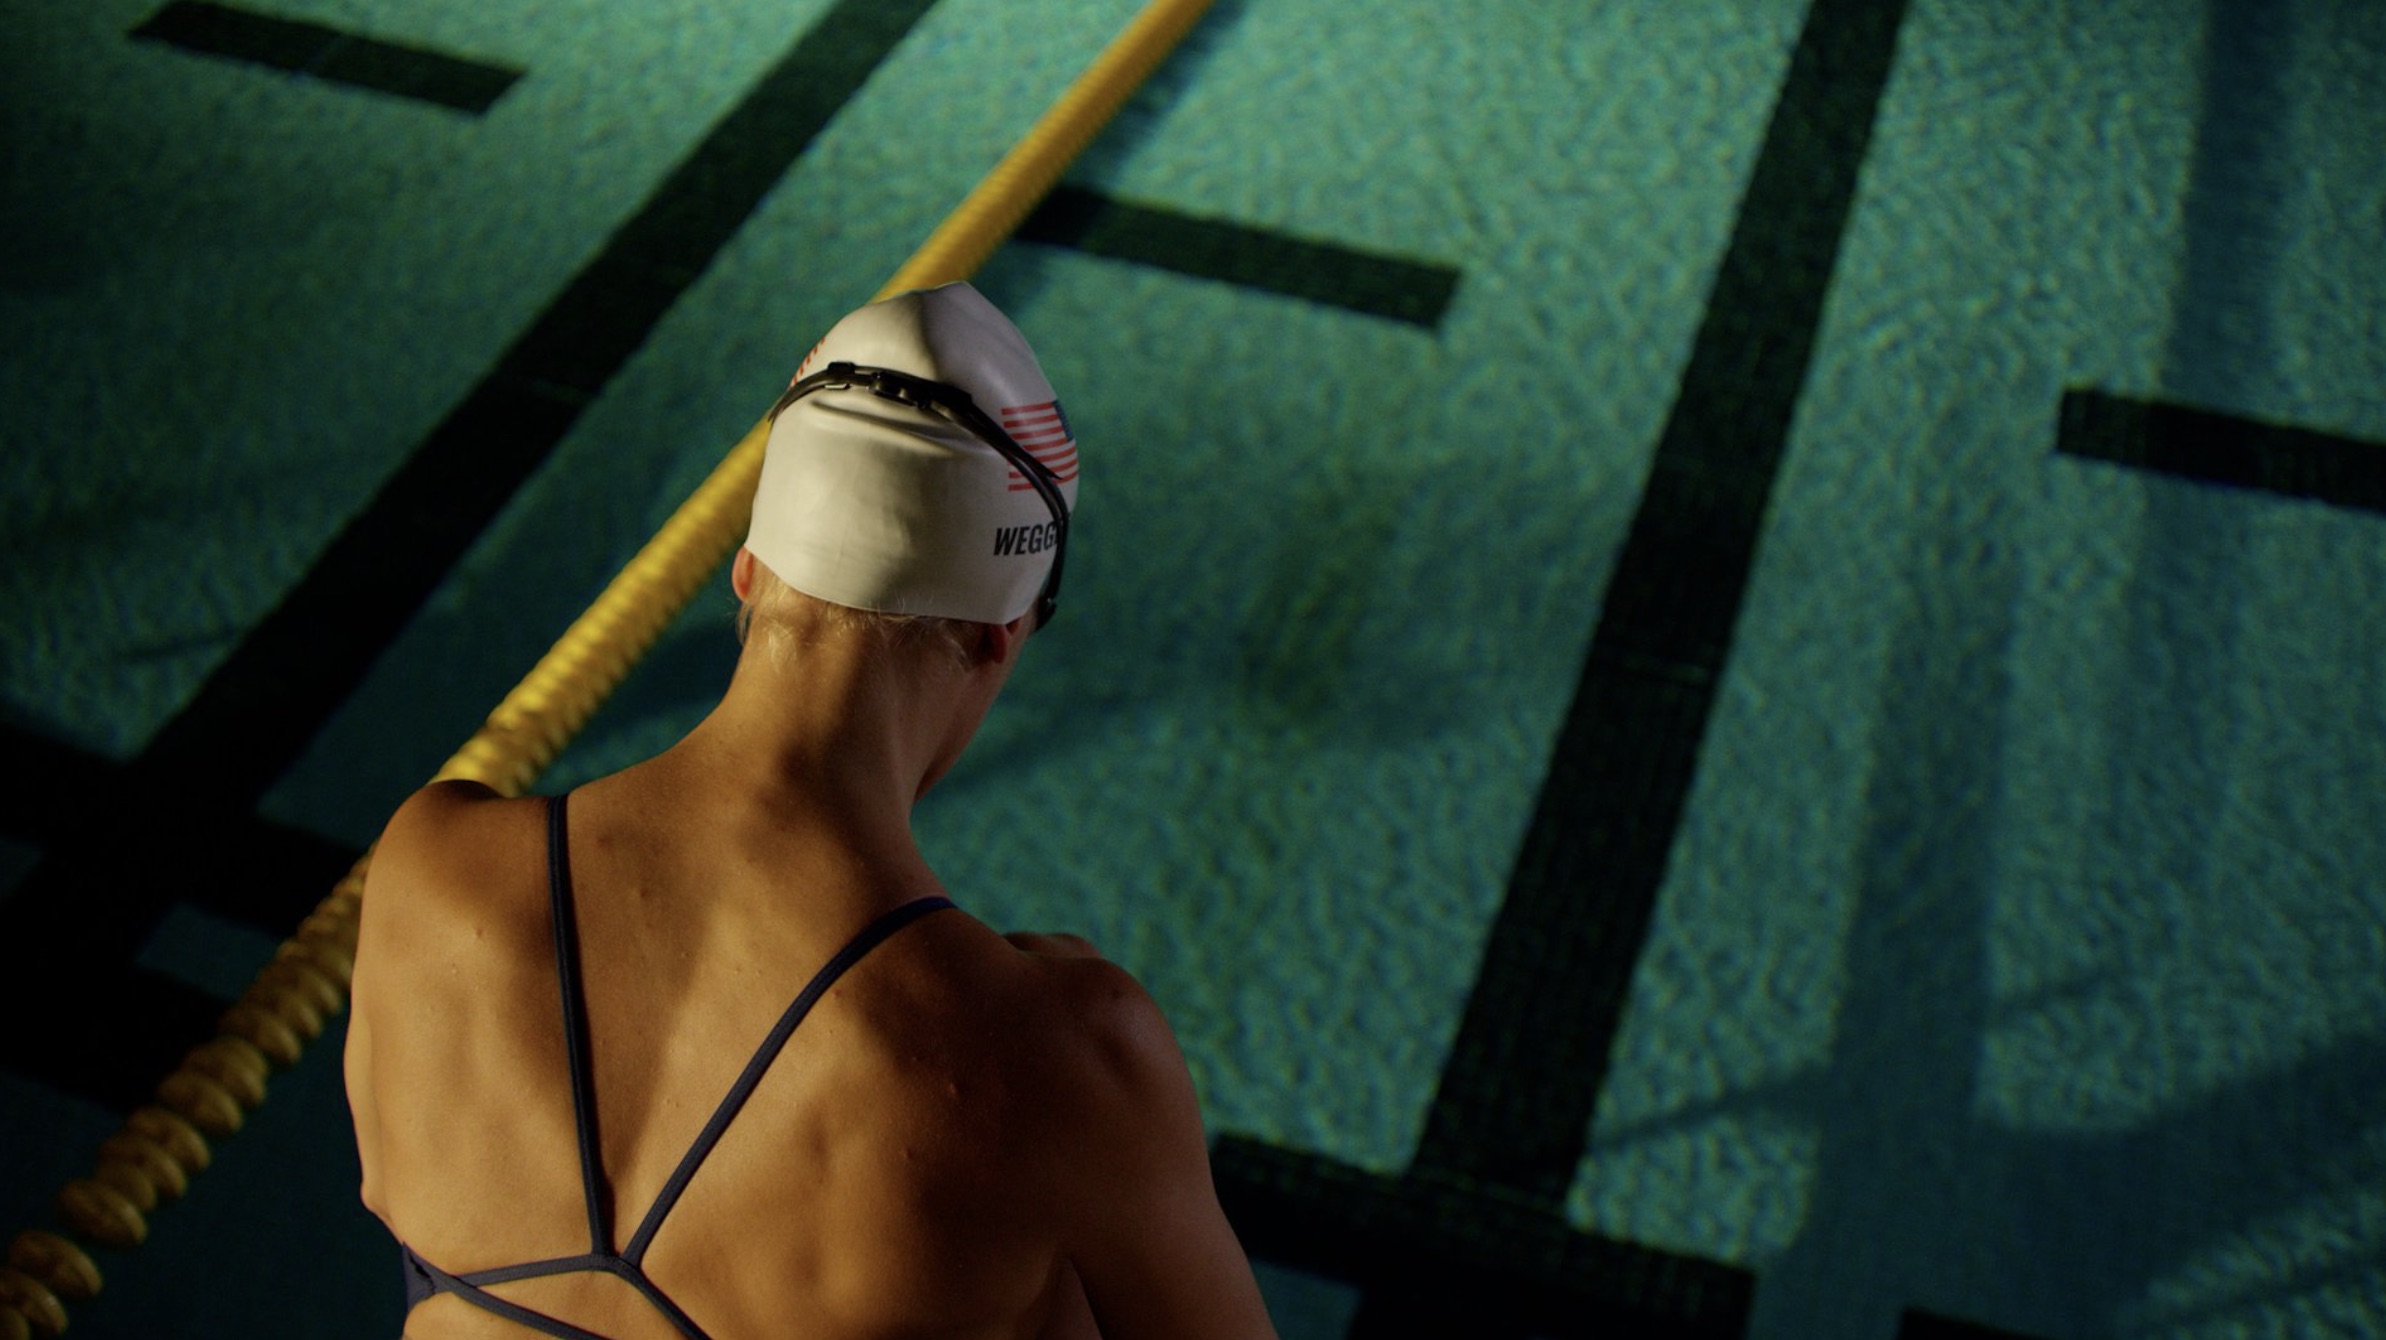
[150, 1161]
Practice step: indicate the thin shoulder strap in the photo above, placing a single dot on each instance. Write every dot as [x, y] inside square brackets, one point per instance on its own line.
[575, 1023]
[851, 954]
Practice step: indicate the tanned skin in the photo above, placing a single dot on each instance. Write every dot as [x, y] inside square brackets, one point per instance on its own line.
[972, 1136]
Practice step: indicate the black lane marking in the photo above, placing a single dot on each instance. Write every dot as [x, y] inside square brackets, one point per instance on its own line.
[1438, 1257]
[146, 1020]
[45, 785]
[2223, 449]
[98, 889]
[262, 705]
[265, 874]
[1472, 1239]
[329, 54]
[267, 700]
[110, 1028]
[1376, 285]
[1515, 1102]
[1919, 1325]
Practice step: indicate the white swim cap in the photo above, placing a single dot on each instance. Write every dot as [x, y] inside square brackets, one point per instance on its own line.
[882, 505]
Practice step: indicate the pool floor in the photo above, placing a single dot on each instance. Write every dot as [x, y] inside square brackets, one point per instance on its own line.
[1721, 659]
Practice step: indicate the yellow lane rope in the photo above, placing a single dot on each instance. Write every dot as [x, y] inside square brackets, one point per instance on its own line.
[151, 1160]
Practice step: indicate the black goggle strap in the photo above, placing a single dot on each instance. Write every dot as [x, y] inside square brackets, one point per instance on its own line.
[955, 405]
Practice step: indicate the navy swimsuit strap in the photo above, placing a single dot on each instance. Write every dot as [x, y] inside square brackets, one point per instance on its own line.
[872, 935]
[424, 1279]
[575, 1024]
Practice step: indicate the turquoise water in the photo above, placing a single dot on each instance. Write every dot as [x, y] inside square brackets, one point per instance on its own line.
[2021, 956]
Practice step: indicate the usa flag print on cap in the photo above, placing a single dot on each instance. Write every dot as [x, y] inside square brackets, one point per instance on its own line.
[1044, 431]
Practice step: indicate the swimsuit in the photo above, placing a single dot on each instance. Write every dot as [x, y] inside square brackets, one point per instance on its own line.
[424, 1279]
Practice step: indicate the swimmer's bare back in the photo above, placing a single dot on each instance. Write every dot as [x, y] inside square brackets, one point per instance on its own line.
[969, 1136]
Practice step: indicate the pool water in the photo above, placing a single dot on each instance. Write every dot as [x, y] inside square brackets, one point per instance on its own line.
[1972, 807]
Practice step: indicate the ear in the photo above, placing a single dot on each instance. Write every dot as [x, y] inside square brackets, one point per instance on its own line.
[741, 572]
[999, 643]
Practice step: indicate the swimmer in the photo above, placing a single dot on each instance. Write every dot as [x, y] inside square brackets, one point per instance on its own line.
[700, 1049]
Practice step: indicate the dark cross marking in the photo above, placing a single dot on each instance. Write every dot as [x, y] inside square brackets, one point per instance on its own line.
[2223, 449]
[238, 866]
[1511, 1119]
[1920, 1325]
[176, 812]
[274, 874]
[1375, 285]
[329, 54]
[1462, 1261]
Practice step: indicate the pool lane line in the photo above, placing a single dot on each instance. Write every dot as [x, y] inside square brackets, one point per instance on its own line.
[270, 873]
[45, 785]
[1511, 1117]
[1515, 1102]
[93, 896]
[1440, 1257]
[1322, 272]
[2216, 448]
[316, 51]
[1916, 1324]
[241, 866]
[289, 1003]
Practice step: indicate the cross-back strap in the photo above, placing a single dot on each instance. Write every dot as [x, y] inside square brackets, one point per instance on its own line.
[424, 1279]
[870, 938]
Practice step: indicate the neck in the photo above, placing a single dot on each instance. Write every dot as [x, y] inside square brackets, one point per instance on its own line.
[837, 742]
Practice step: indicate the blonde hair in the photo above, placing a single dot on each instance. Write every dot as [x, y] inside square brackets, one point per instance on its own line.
[787, 620]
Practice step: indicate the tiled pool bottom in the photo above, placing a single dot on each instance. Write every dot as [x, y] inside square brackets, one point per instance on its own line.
[2011, 953]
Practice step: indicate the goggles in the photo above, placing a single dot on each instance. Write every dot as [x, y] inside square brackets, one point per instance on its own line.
[954, 406]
